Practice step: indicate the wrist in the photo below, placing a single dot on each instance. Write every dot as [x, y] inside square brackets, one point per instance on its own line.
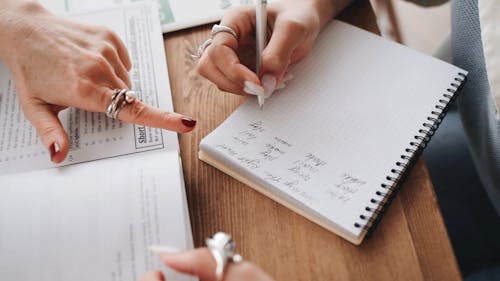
[328, 9]
[17, 21]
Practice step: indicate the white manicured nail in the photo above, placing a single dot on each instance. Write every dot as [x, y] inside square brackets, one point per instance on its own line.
[280, 86]
[253, 89]
[157, 249]
[288, 77]
[269, 84]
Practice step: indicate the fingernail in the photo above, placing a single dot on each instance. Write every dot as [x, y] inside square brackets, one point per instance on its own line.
[188, 122]
[54, 149]
[269, 84]
[280, 86]
[288, 77]
[253, 89]
[158, 249]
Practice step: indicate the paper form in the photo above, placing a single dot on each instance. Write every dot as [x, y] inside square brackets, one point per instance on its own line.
[174, 14]
[97, 226]
[93, 135]
[94, 220]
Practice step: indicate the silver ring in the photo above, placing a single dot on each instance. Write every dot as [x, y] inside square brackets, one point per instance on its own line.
[222, 28]
[119, 99]
[217, 28]
[222, 247]
[202, 48]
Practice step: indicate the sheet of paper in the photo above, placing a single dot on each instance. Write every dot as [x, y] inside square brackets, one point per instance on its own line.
[93, 221]
[330, 138]
[174, 14]
[93, 135]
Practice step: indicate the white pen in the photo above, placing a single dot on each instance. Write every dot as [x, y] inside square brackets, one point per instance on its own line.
[261, 27]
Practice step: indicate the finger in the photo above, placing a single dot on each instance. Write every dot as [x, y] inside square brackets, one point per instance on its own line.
[93, 98]
[242, 21]
[153, 276]
[94, 93]
[49, 128]
[143, 114]
[277, 56]
[209, 70]
[121, 49]
[221, 65]
[102, 72]
[137, 112]
[224, 49]
[197, 262]
[110, 53]
[229, 67]
[286, 37]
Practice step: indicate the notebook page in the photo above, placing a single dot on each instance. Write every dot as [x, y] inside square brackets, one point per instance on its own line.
[329, 139]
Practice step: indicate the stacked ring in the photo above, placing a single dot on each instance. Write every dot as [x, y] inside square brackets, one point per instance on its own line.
[222, 28]
[217, 28]
[119, 99]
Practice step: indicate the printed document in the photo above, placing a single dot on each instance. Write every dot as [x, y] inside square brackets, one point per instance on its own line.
[93, 135]
[94, 220]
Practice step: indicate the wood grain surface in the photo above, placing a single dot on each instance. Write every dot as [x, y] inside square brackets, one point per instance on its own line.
[411, 242]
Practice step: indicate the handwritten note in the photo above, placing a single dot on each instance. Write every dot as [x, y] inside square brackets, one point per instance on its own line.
[293, 170]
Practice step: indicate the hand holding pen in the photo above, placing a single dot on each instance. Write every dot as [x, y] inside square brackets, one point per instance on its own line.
[229, 60]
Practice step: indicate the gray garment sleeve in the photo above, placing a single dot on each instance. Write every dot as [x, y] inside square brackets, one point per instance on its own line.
[428, 3]
[475, 102]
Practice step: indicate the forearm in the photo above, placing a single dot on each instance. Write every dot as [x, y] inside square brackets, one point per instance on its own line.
[15, 23]
[328, 9]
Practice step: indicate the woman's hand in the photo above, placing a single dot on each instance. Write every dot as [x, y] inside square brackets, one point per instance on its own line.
[294, 25]
[57, 63]
[200, 262]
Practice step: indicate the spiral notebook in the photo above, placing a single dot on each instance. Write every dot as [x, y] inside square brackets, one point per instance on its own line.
[335, 143]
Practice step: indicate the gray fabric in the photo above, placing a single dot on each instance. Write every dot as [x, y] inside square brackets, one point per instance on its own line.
[428, 3]
[475, 103]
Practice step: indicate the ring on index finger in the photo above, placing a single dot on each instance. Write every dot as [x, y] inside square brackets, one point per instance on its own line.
[119, 99]
[217, 28]
[202, 48]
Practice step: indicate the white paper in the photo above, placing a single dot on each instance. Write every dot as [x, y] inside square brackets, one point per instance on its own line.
[93, 135]
[328, 140]
[92, 221]
[174, 14]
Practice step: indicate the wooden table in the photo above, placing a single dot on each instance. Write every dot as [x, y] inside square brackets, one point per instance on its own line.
[411, 242]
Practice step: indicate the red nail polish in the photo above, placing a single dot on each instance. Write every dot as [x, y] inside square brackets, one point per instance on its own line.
[54, 149]
[188, 122]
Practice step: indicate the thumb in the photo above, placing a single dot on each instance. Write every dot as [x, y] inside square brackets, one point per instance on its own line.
[287, 36]
[197, 262]
[49, 128]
